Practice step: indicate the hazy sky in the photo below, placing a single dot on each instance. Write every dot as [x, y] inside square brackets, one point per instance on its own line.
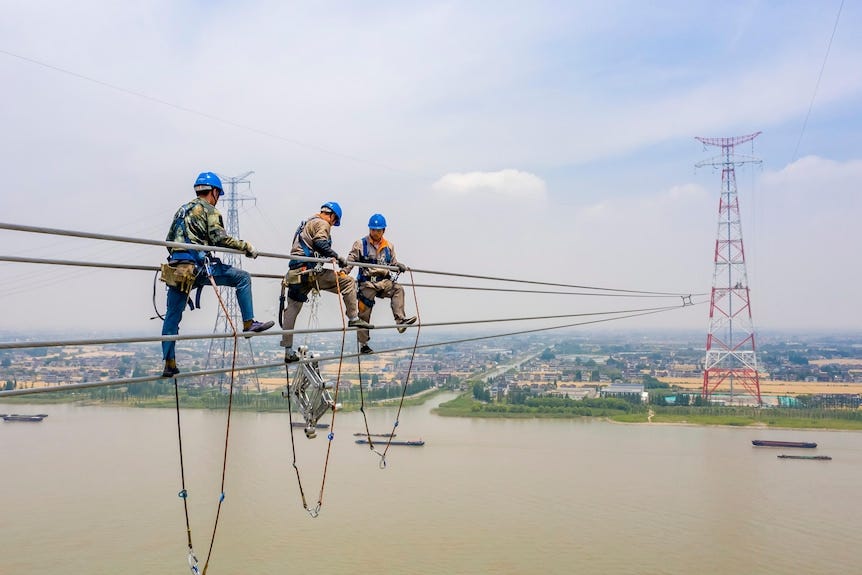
[551, 141]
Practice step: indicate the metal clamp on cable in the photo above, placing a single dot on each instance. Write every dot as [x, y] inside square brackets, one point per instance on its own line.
[193, 562]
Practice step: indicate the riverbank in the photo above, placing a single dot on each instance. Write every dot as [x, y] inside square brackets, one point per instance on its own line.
[465, 406]
[765, 419]
[242, 401]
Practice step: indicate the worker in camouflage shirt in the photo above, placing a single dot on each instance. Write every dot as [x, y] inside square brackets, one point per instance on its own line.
[200, 223]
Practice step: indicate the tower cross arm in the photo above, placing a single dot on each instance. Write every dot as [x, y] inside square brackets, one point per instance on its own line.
[237, 179]
[727, 142]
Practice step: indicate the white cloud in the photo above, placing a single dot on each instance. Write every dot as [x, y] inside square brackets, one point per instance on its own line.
[600, 101]
[806, 247]
[812, 172]
[505, 184]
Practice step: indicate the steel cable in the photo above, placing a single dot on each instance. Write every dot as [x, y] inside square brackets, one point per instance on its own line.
[108, 237]
[128, 381]
[611, 292]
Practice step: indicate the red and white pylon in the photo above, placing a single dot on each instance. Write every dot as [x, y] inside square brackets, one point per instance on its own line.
[730, 346]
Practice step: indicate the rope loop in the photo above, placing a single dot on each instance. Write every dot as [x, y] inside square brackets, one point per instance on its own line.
[183, 494]
[314, 512]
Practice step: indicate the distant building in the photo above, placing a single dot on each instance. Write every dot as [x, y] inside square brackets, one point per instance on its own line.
[625, 391]
[572, 392]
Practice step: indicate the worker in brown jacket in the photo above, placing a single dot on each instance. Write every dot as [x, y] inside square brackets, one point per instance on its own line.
[313, 239]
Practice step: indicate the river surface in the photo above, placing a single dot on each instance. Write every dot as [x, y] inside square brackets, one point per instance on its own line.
[93, 490]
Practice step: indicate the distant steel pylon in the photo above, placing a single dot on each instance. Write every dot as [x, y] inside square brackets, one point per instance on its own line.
[730, 347]
[220, 351]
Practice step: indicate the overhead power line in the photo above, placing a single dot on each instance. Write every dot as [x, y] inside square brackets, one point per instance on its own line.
[270, 333]
[115, 238]
[602, 316]
[817, 83]
[144, 379]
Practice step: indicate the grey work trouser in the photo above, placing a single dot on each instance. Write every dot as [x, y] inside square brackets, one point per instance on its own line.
[385, 288]
[327, 280]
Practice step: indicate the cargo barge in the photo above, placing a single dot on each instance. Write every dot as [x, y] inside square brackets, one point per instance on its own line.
[413, 443]
[818, 457]
[16, 417]
[768, 443]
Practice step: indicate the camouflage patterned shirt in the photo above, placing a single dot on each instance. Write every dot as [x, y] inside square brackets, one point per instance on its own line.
[199, 222]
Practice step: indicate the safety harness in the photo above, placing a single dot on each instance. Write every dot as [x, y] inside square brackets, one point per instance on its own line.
[177, 272]
[384, 257]
[298, 273]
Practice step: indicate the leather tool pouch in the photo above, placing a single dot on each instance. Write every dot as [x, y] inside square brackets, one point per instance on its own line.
[294, 276]
[180, 275]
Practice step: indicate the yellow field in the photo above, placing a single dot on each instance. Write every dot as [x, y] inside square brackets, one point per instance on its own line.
[773, 387]
[838, 361]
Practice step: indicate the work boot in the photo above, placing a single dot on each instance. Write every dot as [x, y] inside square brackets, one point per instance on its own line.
[256, 326]
[406, 321]
[171, 368]
[290, 355]
[360, 323]
[366, 349]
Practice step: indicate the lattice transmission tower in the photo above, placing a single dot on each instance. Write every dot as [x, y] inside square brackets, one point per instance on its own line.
[220, 354]
[730, 347]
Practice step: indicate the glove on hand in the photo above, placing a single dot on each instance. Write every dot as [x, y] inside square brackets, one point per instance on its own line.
[250, 251]
[401, 267]
[342, 262]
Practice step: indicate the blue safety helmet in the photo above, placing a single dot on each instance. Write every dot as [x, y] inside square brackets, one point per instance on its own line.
[335, 209]
[377, 222]
[207, 181]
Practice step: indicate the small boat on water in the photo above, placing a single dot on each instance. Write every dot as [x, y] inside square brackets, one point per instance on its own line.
[360, 434]
[412, 443]
[17, 417]
[768, 443]
[817, 457]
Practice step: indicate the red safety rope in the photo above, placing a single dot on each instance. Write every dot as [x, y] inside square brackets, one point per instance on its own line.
[403, 389]
[183, 494]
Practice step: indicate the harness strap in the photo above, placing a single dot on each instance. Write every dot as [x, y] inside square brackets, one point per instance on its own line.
[369, 302]
[197, 303]
[297, 236]
[384, 256]
[179, 226]
[281, 303]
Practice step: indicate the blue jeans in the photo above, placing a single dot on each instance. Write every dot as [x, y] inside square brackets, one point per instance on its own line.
[224, 275]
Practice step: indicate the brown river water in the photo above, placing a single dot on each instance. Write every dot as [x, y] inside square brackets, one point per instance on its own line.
[93, 490]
